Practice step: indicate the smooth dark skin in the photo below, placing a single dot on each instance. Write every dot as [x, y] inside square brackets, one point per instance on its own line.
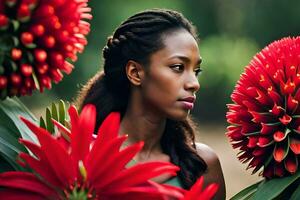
[155, 91]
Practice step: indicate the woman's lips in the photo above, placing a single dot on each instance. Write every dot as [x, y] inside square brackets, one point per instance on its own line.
[188, 102]
[187, 105]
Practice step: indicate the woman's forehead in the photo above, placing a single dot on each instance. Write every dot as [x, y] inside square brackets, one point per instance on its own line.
[179, 44]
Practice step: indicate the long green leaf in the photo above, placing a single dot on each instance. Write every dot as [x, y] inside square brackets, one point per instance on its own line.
[50, 126]
[54, 112]
[14, 108]
[62, 112]
[8, 165]
[9, 150]
[270, 189]
[42, 123]
[296, 194]
[242, 195]
[11, 129]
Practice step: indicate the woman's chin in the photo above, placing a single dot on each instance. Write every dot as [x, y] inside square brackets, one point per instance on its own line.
[180, 115]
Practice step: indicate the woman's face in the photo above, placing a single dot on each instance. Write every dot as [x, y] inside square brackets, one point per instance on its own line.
[170, 81]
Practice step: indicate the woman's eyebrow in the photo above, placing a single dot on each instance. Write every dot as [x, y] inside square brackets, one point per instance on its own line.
[186, 59]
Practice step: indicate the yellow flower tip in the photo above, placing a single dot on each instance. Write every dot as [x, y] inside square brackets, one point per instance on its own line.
[82, 170]
[270, 89]
[262, 78]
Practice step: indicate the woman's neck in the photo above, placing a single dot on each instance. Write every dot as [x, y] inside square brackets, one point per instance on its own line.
[142, 126]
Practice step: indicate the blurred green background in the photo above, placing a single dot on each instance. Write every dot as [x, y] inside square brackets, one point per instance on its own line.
[231, 33]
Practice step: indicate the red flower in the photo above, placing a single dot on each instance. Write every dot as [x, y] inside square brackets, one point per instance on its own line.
[88, 168]
[41, 34]
[196, 192]
[265, 116]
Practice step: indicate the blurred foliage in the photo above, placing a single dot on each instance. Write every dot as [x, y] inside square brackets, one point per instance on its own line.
[231, 33]
[224, 58]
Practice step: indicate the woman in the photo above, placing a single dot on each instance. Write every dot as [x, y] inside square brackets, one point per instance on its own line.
[151, 64]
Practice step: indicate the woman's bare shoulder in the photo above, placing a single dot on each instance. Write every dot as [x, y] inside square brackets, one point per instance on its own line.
[207, 153]
[214, 172]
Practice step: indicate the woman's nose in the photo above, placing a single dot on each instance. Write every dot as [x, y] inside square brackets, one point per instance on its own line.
[192, 83]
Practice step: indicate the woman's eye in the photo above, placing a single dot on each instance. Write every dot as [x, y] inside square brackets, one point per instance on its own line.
[178, 67]
[198, 71]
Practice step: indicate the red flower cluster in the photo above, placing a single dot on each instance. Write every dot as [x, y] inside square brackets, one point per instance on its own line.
[265, 116]
[37, 36]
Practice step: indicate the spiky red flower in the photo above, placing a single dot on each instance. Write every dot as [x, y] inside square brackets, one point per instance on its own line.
[196, 192]
[39, 33]
[265, 116]
[83, 167]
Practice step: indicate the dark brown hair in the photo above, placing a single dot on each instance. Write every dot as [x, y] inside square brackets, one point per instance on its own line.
[136, 39]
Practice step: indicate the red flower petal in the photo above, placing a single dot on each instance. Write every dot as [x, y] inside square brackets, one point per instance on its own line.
[279, 136]
[295, 146]
[56, 155]
[98, 156]
[286, 119]
[153, 169]
[291, 164]
[279, 153]
[81, 136]
[25, 181]
[196, 192]
[118, 162]
[110, 127]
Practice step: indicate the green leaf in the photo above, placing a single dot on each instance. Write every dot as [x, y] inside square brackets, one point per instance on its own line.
[9, 149]
[29, 57]
[42, 123]
[13, 66]
[15, 41]
[296, 194]
[14, 108]
[8, 165]
[16, 24]
[62, 112]
[31, 46]
[36, 81]
[242, 195]
[11, 129]
[270, 189]
[49, 123]
[54, 112]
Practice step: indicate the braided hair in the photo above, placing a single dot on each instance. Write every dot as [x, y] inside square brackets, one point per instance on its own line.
[136, 39]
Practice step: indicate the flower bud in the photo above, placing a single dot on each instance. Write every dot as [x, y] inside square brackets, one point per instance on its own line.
[16, 54]
[26, 69]
[45, 81]
[42, 68]
[31, 3]
[57, 59]
[28, 82]
[40, 55]
[3, 82]
[56, 75]
[23, 13]
[49, 41]
[38, 30]
[3, 22]
[26, 38]
[16, 79]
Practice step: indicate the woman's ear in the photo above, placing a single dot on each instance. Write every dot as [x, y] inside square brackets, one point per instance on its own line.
[134, 72]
